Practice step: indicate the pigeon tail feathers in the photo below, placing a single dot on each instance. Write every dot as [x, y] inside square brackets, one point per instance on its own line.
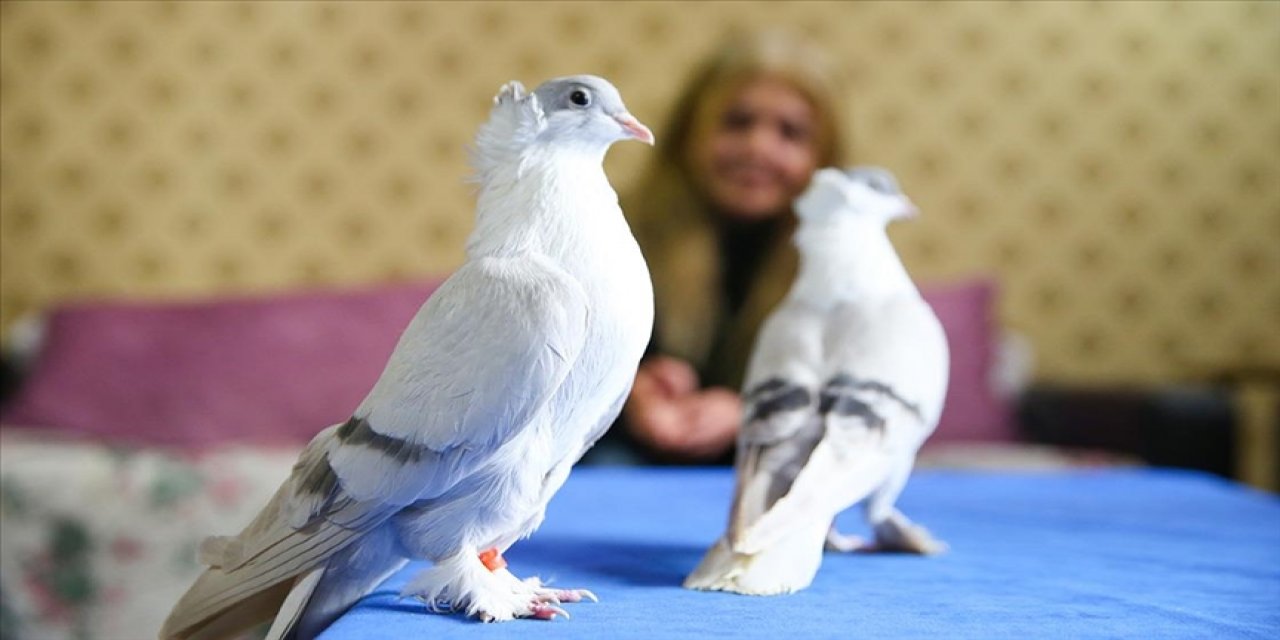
[786, 566]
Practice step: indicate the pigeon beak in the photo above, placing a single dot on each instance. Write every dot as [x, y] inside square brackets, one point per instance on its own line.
[634, 129]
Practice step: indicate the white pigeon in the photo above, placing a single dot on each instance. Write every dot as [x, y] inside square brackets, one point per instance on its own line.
[846, 381]
[505, 377]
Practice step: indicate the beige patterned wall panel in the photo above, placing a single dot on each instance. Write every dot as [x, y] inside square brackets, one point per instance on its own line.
[1115, 165]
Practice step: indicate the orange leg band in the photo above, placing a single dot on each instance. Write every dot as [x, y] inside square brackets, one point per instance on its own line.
[492, 559]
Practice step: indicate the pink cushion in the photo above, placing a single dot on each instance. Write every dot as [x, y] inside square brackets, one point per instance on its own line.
[277, 370]
[973, 411]
[252, 370]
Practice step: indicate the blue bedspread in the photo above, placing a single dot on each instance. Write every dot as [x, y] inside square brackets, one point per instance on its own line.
[1089, 554]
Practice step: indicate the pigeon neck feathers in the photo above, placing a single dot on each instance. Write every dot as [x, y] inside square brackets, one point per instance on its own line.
[544, 199]
[846, 259]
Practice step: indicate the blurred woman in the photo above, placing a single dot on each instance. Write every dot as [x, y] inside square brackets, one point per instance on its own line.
[712, 214]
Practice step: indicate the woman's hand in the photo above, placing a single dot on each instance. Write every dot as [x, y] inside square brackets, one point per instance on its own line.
[670, 415]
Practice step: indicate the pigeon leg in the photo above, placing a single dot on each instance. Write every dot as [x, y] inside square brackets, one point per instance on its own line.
[493, 560]
[898, 533]
[843, 543]
[463, 582]
[558, 596]
[895, 532]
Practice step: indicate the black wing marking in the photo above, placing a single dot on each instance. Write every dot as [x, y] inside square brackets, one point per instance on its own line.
[773, 396]
[841, 396]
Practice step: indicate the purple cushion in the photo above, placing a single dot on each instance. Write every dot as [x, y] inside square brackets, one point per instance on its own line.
[254, 370]
[973, 411]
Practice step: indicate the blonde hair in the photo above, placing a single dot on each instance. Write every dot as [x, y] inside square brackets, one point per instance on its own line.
[674, 222]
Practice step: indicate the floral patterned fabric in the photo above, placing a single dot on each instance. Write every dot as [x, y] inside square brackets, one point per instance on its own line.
[99, 542]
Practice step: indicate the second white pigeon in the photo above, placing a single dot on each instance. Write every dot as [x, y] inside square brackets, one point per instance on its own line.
[846, 381]
[505, 377]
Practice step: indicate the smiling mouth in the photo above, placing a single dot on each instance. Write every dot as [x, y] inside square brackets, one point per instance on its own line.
[749, 177]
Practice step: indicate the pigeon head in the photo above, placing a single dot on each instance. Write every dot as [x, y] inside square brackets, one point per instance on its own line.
[869, 192]
[588, 109]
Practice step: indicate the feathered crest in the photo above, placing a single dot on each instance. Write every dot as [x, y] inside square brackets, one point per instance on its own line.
[515, 120]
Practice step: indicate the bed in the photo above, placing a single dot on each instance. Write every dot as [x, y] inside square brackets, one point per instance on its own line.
[1098, 553]
[142, 427]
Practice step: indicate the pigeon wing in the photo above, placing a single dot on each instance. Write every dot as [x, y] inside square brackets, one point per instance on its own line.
[476, 366]
[779, 421]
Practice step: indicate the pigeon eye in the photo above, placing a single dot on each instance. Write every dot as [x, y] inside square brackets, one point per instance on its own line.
[881, 183]
[580, 98]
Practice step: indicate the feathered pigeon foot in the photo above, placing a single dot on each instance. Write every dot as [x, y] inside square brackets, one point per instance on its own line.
[481, 587]
[554, 596]
[895, 535]
[842, 543]
[898, 534]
